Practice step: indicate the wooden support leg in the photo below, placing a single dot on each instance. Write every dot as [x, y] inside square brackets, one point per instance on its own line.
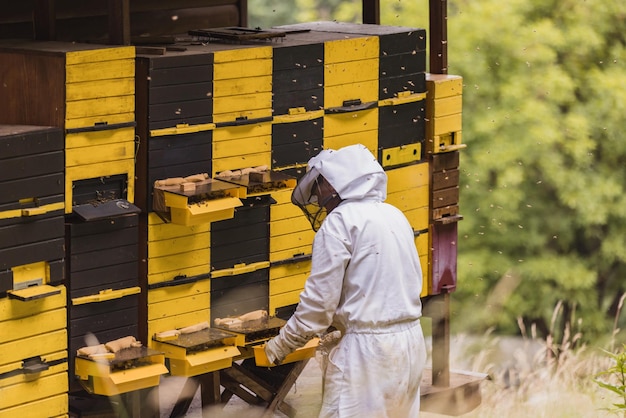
[184, 401]
[283, 390]
[441, 339]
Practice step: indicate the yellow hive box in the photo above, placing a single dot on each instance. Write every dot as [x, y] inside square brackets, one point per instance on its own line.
[300, 354]
[102, 377]
[185, 359]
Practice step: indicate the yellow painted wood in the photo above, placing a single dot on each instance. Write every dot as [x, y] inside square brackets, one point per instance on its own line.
[444, 124]
[444, 106]
[351, 122]
[100, 106]
[40, 210]
[36, 345]
[242, 102]
[177, 262]
[99, 153]
[250, 85]
[183, 128]
[41, 323]
[164, 294]
[252, 130]
[92, 120]
[208, 211]
[12, 309]
[427, 284]
[284, 299]
[245, 114]
[288, 226]
[409, 199]
[103, 70]
[178, 306]
[366, 91]
[98, 54]
[179, 245]
[418, 218]
[290, 269]
[351, 49]
[288, 284]
[402, 98]
[160, 230]
[240, 269]
[106, 295]
[242, 146]
[178, 272]
[100, 88]
[290, 253]
[257, 53]
[93, 138]
[204, 362]
[368, 138]
[242, 69]
[443, 85]
[55, 406]
[350, 72]
[22, 378]
[42, 388]
[299, 114]
[409, 177]
[82, 172]
[176, 321]
[284, 211]
[282, 197]
[31, 271]
[287, 241]
[404, 154]
[451, 141]
[103, 381]
[241, 161]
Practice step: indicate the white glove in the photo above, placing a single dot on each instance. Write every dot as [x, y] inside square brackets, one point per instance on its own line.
[275, 351]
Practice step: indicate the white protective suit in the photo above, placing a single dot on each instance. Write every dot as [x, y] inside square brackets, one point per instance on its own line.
[365, 280]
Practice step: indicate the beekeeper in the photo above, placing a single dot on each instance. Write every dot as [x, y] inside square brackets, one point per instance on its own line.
[365, 281]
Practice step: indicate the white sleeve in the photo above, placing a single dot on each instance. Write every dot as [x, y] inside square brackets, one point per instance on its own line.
[320, 297]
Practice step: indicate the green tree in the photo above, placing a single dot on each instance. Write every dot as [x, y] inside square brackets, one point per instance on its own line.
[544, 173]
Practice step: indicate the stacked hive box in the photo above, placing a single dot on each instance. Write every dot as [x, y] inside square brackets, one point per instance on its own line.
[89, 92]
[33, 340]
[443, 142]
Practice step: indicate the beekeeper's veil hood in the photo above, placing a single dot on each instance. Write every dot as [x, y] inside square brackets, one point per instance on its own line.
[353, 172]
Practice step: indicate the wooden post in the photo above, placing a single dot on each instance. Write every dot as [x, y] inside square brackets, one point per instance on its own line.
[371, 11]
[119, 22]
[44, 20]
[438, 19]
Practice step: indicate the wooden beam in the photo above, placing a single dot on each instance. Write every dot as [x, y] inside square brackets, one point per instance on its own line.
[119, 22]
[371, 11]
[44, 20]
[438, 20]
[243, 13]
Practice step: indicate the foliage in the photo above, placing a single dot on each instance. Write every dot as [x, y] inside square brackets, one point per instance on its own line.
[542, 188]
[543, 184]
[616, 375]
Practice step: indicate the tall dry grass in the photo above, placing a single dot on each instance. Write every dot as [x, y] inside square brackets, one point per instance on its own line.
[532, 377]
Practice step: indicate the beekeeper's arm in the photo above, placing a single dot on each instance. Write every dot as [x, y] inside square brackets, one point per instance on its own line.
[319, 299]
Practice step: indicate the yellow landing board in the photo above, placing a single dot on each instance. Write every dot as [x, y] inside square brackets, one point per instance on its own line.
[12, 309]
